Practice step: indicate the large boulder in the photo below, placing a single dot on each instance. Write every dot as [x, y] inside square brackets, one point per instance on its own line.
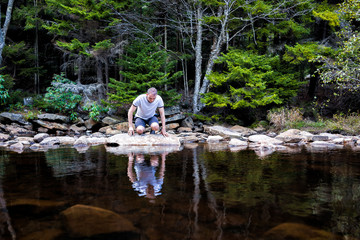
[143, 140]
[110, 121]
[294, 136]
[40, 136]
[88, 221]
[243, 130]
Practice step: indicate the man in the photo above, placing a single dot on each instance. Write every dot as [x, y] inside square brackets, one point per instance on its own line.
[146, 105]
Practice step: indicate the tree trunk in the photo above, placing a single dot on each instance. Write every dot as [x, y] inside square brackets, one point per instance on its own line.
[99, 71]
[4, 28]
[198, 59]
[36, 52]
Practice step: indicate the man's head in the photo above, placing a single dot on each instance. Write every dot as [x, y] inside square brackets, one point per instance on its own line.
[151, 94]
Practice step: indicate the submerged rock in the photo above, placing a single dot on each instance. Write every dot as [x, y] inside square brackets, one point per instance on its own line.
[297, 231]
[88, 221]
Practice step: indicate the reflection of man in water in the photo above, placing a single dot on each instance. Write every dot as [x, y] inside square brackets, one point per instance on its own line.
[145, 182]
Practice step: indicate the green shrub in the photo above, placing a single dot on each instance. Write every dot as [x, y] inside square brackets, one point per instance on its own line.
[4, 92]
[60, 98]
[95, 110]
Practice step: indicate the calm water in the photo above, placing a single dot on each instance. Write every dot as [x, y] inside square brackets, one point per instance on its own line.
[194, 193]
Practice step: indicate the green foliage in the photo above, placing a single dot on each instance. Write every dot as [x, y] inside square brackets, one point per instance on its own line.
[327, 13]
[95, 110]
[304, 53]
[60, 98]
[145, 65]
[249, 81]
[75, 46]
[342, 68]
[4, 93]
[19, 60]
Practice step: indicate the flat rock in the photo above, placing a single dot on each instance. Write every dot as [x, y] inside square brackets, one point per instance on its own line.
[16, 130]
[142, 140]
[96, 140]
[6, 117]
[51, 125]
[214, 139]
[237, 142]
[222, 131]
[4, 137]
[322, 144]
[53, 117]
[175, 118]
[88, 221]
[66, 140]
[260, 138]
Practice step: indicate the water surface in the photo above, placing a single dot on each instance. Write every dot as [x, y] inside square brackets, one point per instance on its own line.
[194, 193]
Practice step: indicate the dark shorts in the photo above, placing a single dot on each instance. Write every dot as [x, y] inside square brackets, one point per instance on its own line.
[143, 122]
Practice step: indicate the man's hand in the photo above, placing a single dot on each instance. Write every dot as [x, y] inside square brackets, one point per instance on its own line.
[131, 131]
[164, 133]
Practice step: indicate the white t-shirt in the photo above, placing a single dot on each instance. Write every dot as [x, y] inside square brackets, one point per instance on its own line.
[145, 109]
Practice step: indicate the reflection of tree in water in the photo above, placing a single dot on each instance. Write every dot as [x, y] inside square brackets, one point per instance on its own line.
[144, 180]
[5, 221]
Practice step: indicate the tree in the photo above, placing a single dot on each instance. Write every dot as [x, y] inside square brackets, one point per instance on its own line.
[249, 81]
[145, 65]
[82, 29]
[343, 68]
[214, 25]
[4, 28]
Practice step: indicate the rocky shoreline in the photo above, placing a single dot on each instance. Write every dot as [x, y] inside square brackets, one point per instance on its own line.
[53, 130]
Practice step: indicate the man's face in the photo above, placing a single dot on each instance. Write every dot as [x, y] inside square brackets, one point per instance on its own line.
[150, 97]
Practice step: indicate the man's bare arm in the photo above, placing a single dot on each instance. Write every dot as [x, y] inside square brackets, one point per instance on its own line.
[163, 122]
[130, 119]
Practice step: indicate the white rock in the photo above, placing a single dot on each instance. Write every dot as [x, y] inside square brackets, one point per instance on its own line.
[263, 139]
[50, 141]
[143, 140]
[66, 140]
[214, 139]
[81, 142]
[237, 142]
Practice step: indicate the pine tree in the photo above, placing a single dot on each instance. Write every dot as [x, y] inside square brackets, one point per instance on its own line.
[145, 65]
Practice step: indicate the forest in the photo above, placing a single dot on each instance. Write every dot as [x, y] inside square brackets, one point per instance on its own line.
[229, 61]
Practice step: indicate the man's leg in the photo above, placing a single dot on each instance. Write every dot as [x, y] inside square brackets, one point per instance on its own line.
[140, 125]
[154, 124]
